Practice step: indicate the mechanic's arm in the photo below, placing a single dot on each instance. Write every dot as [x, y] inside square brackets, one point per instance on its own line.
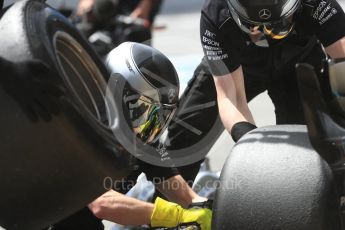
[232, 104]
[177, 190]
[121, 209]
[84, 6]
[332, 32]
[337, 49]
[143, 9]
[125, 210]
[228, 78]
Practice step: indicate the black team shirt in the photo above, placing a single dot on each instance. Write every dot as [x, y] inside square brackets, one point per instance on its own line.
[226, 46]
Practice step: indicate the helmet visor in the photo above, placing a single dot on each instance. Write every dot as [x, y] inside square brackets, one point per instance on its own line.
[279, 30]
[148, 119]
[276, 30]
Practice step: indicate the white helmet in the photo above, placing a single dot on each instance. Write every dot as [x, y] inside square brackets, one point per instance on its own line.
[150, 89]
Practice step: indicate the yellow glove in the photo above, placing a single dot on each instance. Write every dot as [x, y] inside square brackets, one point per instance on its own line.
[167, 214]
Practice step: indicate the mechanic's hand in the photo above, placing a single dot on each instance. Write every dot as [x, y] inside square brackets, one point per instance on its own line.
[143, 11]
[167, 214]
[27, 83]
[84, 6]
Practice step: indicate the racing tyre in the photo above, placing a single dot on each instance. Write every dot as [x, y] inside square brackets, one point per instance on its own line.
[274, 179]
[51, 169]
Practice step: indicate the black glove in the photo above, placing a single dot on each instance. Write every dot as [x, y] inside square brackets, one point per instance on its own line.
[205, 204]
[28, 84]
[241, 128]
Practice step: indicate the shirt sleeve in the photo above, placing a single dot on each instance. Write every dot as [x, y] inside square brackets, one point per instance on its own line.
[221, 59]
[329, 19]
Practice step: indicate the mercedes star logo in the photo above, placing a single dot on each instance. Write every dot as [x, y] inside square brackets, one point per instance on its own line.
[265, 14]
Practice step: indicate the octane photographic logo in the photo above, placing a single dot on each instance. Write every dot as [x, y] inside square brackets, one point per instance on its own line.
[160, 153]
[202, 185]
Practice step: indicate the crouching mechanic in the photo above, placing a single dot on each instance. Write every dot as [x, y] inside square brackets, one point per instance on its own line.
[148, 100]
[253, 46]
[144, 90]
[250, 47]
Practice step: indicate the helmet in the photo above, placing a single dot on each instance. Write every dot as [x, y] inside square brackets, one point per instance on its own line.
[273, 17]
[148, 95]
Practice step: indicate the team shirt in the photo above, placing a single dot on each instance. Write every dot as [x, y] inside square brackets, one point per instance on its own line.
[226, 46]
